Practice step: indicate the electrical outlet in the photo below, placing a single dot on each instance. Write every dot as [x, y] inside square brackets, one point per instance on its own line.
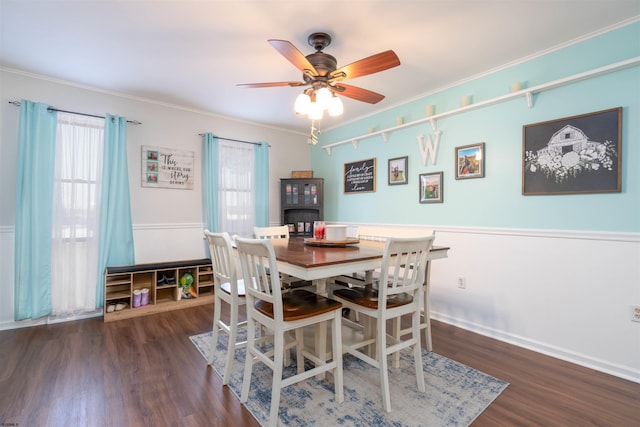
[462, 282]
[635, 313]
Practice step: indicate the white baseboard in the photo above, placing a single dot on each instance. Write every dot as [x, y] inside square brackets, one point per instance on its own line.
[48, 320]
[539, 347]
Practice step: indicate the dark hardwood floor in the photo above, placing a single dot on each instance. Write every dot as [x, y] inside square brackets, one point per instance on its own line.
[145, 372]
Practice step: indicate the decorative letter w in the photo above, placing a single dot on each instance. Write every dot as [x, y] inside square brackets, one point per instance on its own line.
[429, 148]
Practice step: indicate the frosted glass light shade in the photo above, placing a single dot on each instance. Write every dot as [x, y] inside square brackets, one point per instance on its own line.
[335, 106]
[323, 96]
[315, 111]
[303, 101]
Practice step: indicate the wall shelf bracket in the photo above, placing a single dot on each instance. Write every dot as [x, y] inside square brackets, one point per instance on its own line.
[355, 143]
[385, 136]
[529, 96]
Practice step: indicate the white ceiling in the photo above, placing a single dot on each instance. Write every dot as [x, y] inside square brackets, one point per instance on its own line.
[193, 53]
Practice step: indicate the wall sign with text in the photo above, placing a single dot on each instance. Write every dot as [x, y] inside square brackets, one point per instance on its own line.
[167, 168]
[360, 176]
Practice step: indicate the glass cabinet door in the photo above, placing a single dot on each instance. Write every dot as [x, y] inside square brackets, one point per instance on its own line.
[291, 190]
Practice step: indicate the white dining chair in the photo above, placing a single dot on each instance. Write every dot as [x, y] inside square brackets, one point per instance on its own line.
[381, 234]
[275, 232]
[280, 232]
[397, 292]
[230, 289]
[280, 313]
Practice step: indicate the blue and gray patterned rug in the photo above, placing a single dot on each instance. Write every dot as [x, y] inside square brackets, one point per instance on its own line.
[456, 394]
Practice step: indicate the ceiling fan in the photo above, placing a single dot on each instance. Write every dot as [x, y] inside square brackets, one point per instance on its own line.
[319, 71]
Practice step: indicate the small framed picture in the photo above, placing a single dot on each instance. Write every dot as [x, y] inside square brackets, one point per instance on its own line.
[360, 176]
[431, 187]
[470, 161]
[398, 170]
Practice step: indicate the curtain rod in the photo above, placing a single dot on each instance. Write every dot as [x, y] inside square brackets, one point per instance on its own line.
[17, 104]
[235, 140]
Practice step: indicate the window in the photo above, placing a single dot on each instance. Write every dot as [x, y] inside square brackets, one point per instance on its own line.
[235, 188]
[76, 210]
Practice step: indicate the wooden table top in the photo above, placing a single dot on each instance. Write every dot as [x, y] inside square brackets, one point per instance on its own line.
[294, 251]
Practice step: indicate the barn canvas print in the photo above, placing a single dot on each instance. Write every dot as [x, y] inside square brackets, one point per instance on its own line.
[580, 154]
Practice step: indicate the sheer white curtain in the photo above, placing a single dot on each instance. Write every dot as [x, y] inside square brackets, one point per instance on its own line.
[74, 251]
[236, 188]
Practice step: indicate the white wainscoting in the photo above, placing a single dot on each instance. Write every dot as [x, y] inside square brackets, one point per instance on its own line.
[168, 242]
[152, 243]
[7, 236]
[564, 293]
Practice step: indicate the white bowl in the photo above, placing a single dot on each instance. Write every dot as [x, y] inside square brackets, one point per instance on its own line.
[335, 232]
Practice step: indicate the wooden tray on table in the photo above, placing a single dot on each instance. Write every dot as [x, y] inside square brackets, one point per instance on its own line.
[332, 243]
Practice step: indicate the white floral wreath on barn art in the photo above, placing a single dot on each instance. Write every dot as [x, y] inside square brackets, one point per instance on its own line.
[569, 153]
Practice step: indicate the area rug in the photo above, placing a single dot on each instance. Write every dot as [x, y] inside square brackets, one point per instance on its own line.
[455, 396]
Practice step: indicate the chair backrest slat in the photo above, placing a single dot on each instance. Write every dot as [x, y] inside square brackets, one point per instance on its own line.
[278, 232]
[404, 265]
[260, 273]
[223, 263]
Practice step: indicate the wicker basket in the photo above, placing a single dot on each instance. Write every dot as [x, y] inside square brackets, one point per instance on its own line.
[301, 174]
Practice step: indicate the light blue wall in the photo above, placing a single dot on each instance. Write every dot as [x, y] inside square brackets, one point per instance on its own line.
[497, 200]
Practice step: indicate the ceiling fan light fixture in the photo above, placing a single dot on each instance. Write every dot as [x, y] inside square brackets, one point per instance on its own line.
[303, 102]
[321, 74]
[315, 111]
[335, 106]
[323, 96]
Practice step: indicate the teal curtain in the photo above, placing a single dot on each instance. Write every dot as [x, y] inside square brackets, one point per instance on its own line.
[210, 181]
[262, 184]
[116, 231]
[34, 203]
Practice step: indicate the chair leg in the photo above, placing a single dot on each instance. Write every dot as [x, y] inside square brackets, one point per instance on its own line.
[215, 329]
[278, 361]
[381, 345]
[427, 332]
[287, 356]
[321, 343]
[336, 347]
[248, 363]
[231, 348]
[417, 351]
[396, 334]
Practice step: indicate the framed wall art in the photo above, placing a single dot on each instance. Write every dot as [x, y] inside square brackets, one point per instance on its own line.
[430, 187]
[470, 161]
[360, 176]
[167, 168]
[579, 154]
[398, 173]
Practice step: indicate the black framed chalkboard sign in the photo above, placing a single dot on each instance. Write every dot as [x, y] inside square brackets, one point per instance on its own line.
[360, 176]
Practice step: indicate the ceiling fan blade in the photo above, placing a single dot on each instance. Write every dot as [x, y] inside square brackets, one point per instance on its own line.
[357, 93]
[272, 84]
[294, 56]
[372, 64]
